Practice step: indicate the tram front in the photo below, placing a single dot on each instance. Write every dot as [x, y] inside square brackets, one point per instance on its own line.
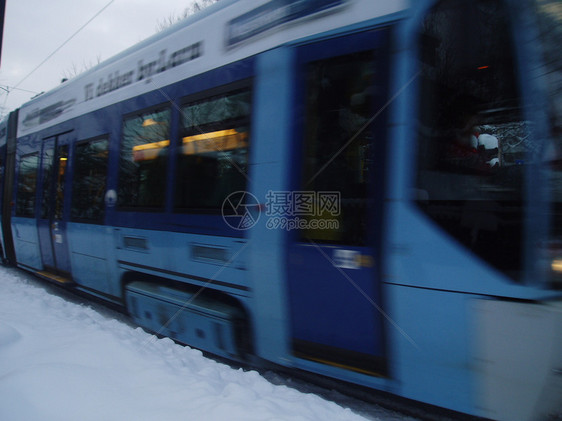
[489, 176]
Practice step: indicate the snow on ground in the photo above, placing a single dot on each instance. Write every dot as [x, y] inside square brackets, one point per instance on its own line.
[65, 361]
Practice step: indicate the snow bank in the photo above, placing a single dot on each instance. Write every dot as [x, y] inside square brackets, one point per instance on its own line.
[62, 361]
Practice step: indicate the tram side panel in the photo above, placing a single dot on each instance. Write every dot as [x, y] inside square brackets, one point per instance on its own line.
[8, 186]
[90, 239]
[3, 216]
[161, 238]
[7, 161]
[24, 213]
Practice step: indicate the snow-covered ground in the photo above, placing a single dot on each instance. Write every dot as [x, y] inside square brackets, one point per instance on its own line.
[61, 360]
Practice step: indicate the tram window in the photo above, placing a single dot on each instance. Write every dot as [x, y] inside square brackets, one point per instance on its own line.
[48, 159]
[549, 14]
[473, 144]
[62, 159]
[337, 148]
[2, 169]
[89, 181]
[213, 158]
[27, 184]
[143, 160]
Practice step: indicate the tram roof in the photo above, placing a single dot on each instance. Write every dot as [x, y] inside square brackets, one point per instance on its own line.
[225, 32]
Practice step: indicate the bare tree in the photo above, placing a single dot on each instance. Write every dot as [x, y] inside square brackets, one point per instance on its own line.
[195, 7]
[75, 70]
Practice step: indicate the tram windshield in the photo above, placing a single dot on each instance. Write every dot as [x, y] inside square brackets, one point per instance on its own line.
[549, 18]
[473, 142]
[476, 150]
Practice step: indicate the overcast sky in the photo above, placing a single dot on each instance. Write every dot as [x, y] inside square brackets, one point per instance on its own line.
[33, 29]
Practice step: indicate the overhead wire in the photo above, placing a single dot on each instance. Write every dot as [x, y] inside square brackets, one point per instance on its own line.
[8, 89]
[65, 42]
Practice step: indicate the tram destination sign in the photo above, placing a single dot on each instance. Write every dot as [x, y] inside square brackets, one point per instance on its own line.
[274, 14]
[110, 81]
[144, 70]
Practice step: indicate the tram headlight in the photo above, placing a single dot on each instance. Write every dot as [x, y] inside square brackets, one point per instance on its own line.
[556, 272]
[553, 256]
[556, 265]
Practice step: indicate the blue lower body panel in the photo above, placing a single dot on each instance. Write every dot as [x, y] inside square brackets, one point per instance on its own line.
[26, 243]
[193, 319]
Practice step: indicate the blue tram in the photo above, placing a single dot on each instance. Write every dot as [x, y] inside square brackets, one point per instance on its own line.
[367, 190]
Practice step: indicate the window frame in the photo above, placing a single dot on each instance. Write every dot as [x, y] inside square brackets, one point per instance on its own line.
[208, 95]
[19, 183]
[75, 167]
[128, 207]
[374, 41]
[419, 196]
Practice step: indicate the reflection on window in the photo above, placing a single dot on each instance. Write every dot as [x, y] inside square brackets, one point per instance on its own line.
[27, 182]
[2, 169]
[549, 18]
[88, 184]
[144, 151]
[60, 181]
[46, 195]
[338, 149]
[473, 144]
[212, 162]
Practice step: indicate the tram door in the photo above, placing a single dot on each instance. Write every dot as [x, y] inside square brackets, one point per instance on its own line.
[334, 257]
[52, 221]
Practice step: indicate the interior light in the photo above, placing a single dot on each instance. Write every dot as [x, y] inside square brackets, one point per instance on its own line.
[148, 151]
[556, 265]
[149, 122]
[154, 145]
[217, 141]
[210, 135]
